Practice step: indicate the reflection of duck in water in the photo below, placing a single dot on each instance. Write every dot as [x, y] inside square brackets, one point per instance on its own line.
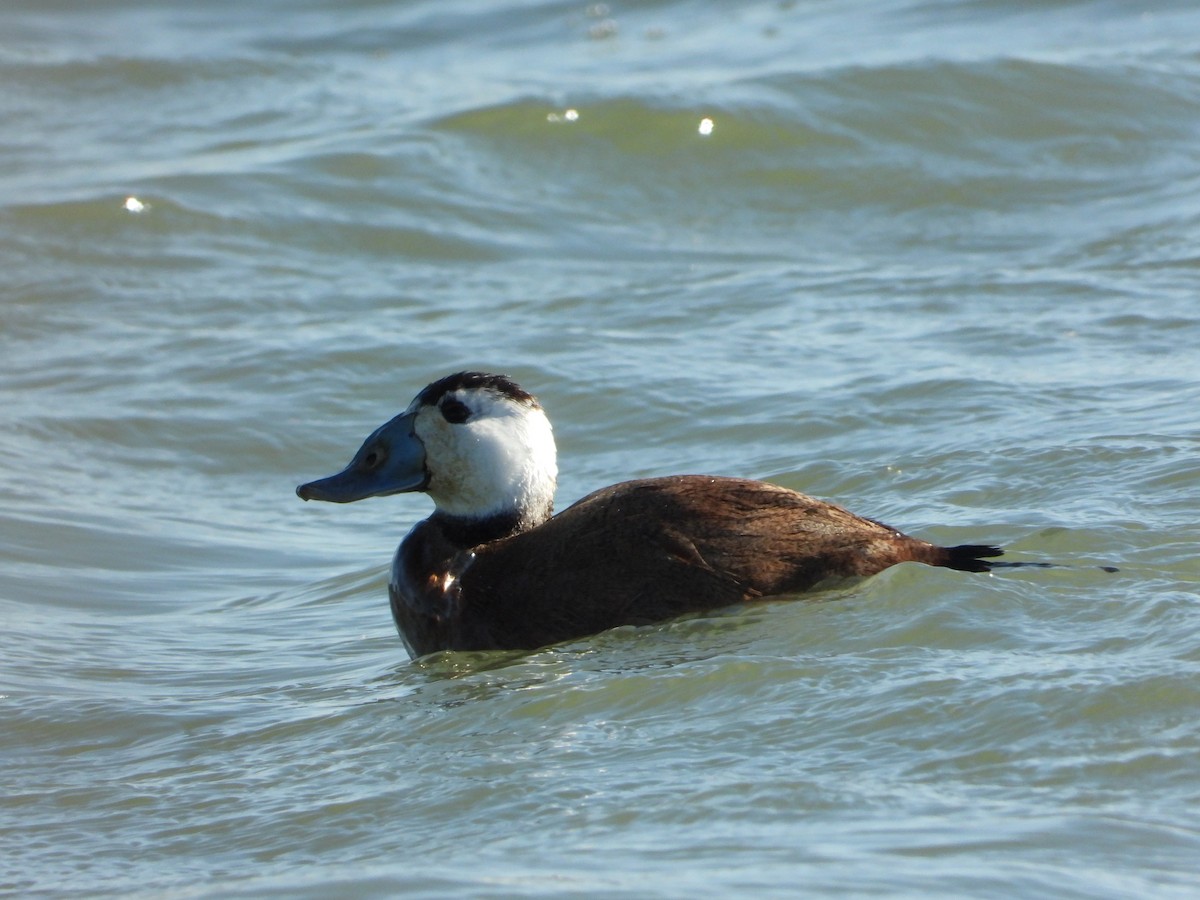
[492, 569]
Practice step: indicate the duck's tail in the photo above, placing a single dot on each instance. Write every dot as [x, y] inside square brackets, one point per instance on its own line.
[968, 557]
[976, 558]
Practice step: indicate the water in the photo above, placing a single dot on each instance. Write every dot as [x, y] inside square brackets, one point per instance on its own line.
[935, 260]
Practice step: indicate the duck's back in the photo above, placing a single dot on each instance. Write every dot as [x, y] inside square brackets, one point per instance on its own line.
[648, 550]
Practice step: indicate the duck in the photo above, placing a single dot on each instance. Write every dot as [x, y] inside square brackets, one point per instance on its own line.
[493, 568]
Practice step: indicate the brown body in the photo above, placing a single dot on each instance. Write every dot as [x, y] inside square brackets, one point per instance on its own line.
[637, 552]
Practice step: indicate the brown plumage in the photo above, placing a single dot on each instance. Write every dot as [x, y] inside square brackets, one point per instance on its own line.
[636, 553]
[513, 577]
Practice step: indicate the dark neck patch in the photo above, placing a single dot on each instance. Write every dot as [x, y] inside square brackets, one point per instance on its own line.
[500, 384]
[465, 533]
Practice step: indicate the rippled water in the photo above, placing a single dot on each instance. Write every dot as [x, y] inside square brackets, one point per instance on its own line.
[935, 260]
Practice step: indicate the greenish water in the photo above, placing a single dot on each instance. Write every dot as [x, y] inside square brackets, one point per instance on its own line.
[934, 260]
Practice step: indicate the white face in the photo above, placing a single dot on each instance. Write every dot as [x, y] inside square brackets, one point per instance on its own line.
[501, 459]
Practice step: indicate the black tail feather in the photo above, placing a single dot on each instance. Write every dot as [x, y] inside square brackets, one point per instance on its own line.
[973, 558]
[970, 557]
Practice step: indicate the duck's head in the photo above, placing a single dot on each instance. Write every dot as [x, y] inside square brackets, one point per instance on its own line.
[477, 444]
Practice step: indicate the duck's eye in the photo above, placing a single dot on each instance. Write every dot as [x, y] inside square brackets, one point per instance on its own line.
[455, 411]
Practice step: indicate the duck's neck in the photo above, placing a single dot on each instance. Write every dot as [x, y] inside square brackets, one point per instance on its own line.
[465, 532]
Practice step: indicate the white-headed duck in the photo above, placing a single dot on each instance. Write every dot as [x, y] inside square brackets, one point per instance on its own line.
[493, 568]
